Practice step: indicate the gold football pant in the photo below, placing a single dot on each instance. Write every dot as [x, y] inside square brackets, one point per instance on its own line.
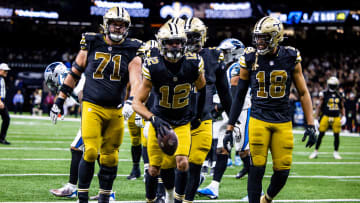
[158, 158]
[201, 139]
[327, 121]
[102, 130]
[276, 136]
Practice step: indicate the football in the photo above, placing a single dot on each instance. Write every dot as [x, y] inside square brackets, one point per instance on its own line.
[168, 142]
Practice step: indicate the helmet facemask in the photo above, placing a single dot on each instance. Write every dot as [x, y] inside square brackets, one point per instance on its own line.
[173, 49]
[194, 42]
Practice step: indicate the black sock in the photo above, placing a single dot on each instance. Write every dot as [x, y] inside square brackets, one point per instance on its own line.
[246, 161]
[168, 177]
[106, 177]
[160, 191]
[145, 155]
[150, 186]
[318, 142]
[193, 181]
[74, 166]
[336, 141]
[212, 157]
[136, 153]
[278, 180]
[255, 177]
[86, 173]
[180, 184]
[220, 167]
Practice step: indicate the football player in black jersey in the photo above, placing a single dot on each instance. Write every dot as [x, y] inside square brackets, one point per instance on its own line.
[332, 113]
[269, 70]
[170, 73]
[201, 126]
[109, 62]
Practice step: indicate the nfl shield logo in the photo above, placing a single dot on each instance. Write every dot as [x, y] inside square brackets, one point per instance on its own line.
[175, 79]
[271, 63]
[110, 48]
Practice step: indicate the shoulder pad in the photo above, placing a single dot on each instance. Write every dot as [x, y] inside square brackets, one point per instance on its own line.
[192, 56]
[293, 52]
[249, 50]
[86, 38]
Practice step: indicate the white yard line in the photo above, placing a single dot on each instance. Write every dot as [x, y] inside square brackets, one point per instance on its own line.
[224, 200]
[43, 149]
[125, 160]
[227, 176]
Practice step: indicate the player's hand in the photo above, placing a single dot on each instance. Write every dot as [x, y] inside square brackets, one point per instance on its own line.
[217, 110]
[56, 109]
[311, 132]
[139, 121]
[127, 110]
[228, 141]
[343, 120]
[195, 123]
[158, 123]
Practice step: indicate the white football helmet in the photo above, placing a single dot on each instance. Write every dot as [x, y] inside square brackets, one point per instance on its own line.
[232, 49]
[54, 75]
[333, 83]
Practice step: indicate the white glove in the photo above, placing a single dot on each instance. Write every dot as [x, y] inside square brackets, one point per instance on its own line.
[343, 120]
[139, 121]
[127, 110]
[57, 109]
[316, 124]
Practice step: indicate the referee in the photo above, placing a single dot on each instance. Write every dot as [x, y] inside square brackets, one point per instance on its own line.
[4, 68]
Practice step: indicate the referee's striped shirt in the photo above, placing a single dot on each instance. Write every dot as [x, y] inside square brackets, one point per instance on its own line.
[2, 89]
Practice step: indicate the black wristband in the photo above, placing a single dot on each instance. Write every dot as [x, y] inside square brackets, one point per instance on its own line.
[74, 75]
[77, 67]
[131, 98]
[67, 90]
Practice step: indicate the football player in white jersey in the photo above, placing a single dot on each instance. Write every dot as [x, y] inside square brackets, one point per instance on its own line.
[232, 49]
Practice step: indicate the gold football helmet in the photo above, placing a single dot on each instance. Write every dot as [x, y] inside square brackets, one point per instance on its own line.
[195, 30]
[172, 40]
[116, 14]
[267, 34]
[333, 83]
[177, 21]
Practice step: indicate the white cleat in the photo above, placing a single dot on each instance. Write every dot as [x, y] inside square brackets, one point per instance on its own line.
[313, 155]
[336, 155]
[69, 190]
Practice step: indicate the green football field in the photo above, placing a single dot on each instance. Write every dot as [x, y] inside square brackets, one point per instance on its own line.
[38, 159]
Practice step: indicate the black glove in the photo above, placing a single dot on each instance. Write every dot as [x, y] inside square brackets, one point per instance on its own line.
[216, 111]
[195, 123]
[311, 132]
[228, 140]
[159, 125]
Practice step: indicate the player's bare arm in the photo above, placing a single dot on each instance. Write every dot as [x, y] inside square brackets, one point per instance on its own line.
[135, 76]
[141, 95]
[304, 94]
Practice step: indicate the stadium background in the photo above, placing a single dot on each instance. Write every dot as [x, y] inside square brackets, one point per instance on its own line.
[326, 33]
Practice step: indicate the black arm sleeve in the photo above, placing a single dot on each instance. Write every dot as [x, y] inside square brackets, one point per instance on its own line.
[233, 90]
[238, 102]
[223, 90]
[201, 102]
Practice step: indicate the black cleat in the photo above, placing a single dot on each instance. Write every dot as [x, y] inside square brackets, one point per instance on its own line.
[4, 142]
[135, 173]
[242, 173]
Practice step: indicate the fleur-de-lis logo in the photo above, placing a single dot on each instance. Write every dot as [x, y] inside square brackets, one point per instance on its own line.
[176, 10]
